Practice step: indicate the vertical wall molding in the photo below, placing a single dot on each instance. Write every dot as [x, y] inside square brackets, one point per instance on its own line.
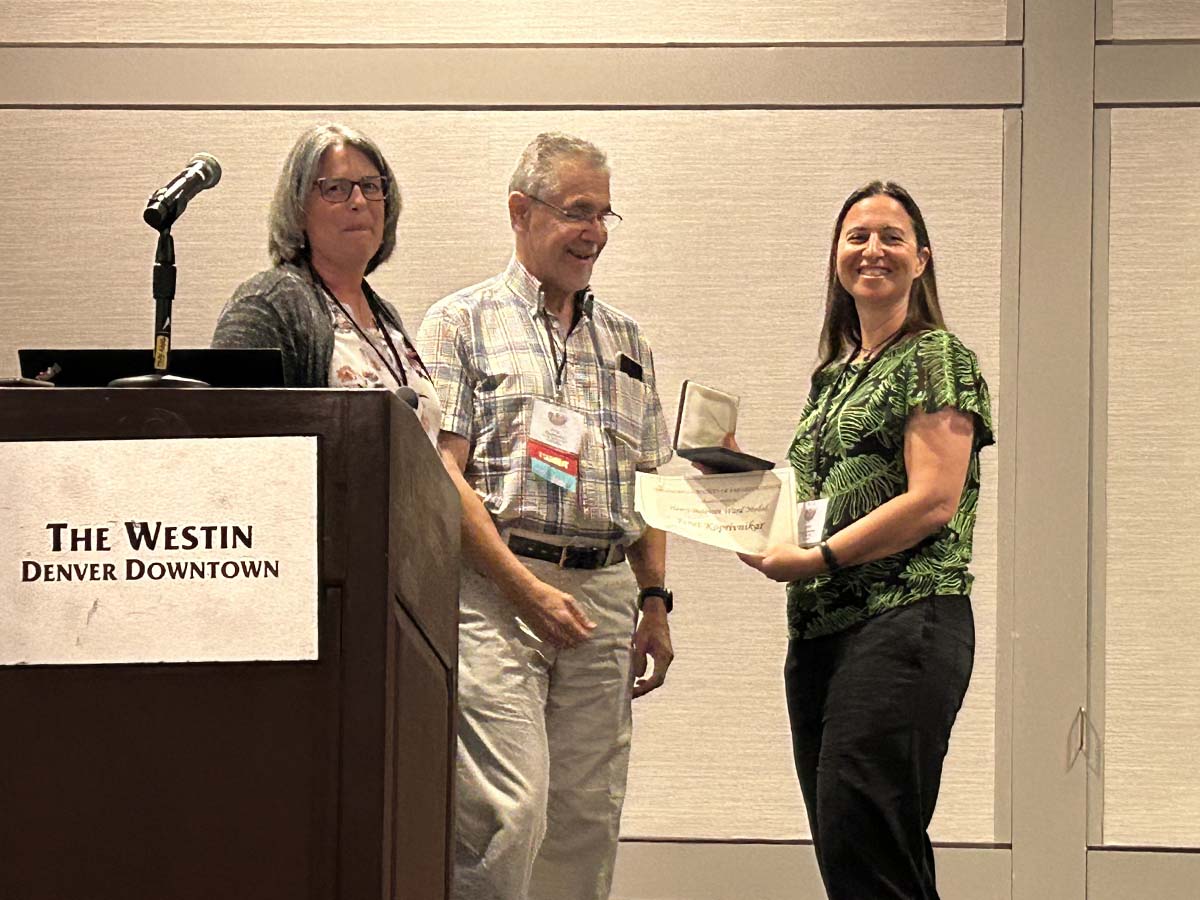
[1098, 543]
[1050, 621]
[1010, 309]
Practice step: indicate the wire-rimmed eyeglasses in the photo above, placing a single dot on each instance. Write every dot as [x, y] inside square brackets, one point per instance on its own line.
[338, 190]
[608, 220]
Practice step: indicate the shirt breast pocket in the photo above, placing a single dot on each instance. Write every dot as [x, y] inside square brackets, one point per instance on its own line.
[624, 408]
[504, 404]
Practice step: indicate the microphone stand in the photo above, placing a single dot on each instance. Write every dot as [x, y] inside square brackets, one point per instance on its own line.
[164, 296]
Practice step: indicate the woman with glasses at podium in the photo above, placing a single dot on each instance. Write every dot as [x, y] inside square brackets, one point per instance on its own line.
[332, 222]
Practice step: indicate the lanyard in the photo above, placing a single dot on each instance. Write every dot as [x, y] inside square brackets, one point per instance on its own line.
[397, 370]
[582, 307]
[817, 433]
[560, 366]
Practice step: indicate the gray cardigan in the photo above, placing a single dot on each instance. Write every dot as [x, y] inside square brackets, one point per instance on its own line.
[283, 307]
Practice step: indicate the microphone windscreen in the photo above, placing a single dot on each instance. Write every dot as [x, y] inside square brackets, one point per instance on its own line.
[408, 395]
[210, 167]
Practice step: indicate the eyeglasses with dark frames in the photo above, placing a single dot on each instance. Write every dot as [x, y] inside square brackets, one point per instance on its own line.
[338, 190]
[607, 220]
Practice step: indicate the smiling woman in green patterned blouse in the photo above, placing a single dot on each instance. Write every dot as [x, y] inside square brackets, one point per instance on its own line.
[881, 634]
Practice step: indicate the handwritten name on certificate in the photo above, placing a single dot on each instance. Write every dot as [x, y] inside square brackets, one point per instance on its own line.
[744, 511]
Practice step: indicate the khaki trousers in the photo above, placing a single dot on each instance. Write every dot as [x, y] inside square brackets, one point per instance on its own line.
[543, 742]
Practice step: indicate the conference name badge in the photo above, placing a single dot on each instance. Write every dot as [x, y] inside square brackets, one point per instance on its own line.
[810, 521]
[555, 437]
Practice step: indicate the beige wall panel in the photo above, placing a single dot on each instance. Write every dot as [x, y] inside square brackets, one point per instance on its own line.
[728, 218]
[1151, 707]
[1126, 875]
[1169, 20]
[667, 871]
[496, 21]
[514, 77]
[1148, 73]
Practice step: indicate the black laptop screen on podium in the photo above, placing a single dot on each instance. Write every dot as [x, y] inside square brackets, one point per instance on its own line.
[256, 368]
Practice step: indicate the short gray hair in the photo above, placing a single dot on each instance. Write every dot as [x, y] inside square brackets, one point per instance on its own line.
[537, 169]
[288, 242]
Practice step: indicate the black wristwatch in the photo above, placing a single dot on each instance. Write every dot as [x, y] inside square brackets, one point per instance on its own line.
[668, 598]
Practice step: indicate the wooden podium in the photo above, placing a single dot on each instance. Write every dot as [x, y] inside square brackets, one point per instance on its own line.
[325, 780]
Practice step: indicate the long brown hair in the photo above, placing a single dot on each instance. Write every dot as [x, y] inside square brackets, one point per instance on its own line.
[842, 332]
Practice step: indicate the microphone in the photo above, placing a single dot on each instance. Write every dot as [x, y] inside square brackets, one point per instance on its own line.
[408, 395]
[168, 203]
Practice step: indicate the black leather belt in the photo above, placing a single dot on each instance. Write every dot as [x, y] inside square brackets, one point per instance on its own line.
[567, 557]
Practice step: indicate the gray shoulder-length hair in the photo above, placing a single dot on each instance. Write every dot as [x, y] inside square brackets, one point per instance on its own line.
[288, 241]
[537, 169]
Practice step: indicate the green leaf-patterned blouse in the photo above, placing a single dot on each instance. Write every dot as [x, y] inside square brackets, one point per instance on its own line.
[860, 466]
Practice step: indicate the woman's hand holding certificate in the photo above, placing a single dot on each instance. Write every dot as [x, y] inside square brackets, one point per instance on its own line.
[745, 512]
[786, 562]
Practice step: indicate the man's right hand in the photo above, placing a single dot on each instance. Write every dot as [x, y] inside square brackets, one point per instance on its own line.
[553, 615]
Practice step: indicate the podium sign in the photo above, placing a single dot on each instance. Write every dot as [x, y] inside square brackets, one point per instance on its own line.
[192, 541]
[164, 550]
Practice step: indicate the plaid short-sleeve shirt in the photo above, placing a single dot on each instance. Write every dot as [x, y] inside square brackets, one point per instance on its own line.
[489, 351]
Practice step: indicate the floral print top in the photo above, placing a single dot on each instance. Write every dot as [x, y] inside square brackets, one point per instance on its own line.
[360, 360]
[857, 462]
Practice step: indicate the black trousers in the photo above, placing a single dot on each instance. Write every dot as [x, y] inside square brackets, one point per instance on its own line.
[871, 710]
